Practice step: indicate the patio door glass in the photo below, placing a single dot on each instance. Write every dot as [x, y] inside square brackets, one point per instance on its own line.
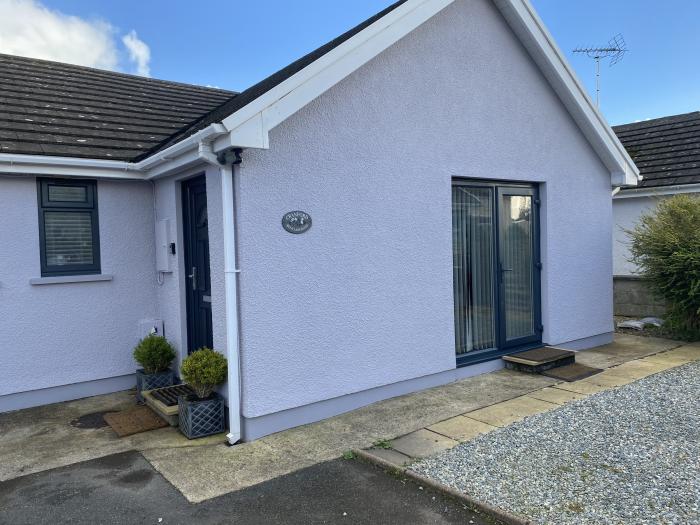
[473, 272]
[495, 268]
[517, 264]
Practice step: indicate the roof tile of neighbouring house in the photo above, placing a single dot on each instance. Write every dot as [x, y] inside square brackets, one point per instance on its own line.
[666, 150]
[51, 108]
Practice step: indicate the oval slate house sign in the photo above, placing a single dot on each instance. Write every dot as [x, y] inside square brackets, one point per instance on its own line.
[296, 221]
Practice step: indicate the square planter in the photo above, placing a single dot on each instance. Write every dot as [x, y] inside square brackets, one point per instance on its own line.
[146, 381]
[201, 417]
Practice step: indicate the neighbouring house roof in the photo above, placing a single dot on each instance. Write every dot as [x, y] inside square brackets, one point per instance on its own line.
[666, 150]
[51, 108]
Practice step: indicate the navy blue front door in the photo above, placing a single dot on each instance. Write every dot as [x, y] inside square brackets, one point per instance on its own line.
[198, 278]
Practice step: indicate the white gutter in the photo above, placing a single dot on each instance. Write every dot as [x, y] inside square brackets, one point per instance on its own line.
[658, 190]
[11, 163]
[206, 154]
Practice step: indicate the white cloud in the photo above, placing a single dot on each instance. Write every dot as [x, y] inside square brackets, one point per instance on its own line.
[139, 53]
[28, 28]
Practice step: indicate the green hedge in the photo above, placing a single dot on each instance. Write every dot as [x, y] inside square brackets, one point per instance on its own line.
[666, 248]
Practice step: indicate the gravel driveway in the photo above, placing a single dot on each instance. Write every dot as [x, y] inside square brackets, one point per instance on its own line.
[628, 455]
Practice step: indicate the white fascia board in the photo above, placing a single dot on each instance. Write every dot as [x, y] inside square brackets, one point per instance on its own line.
[532, 32]
[660, 191]
[250, 125]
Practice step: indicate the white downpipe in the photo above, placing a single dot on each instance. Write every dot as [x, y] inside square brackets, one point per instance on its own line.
[231, 293]
[230, 288]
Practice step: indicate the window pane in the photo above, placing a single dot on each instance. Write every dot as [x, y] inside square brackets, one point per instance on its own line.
[68, 237]
[67, 193]
[517, 263]
[473, 240]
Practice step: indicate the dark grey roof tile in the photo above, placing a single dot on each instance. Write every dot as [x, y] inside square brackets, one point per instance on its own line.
[49, 108]
[666, 150]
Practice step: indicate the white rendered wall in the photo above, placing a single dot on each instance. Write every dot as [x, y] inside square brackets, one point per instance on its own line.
[62, 334]
[626, 214]
[365, 297]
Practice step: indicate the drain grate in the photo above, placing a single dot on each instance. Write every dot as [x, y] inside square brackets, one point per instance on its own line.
[169, 394]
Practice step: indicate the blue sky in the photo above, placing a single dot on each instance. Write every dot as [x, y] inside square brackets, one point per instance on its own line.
[233, 44]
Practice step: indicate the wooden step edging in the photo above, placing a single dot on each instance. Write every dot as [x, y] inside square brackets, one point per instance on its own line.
[485, 508]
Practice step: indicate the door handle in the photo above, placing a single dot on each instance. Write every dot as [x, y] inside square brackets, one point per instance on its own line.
[193, 276]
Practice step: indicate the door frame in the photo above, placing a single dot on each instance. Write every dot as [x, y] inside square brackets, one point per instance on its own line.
[187, 254]
[501, 187]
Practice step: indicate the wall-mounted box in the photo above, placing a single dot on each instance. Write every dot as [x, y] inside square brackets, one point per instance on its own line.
[163, 241]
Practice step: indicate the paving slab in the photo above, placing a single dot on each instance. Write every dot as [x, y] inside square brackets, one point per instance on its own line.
[461, 428]
[669, 358]
[639, 369]
[610, 380]
[624, 348]
[691, 351]
[422, 443]
[556, 395]
[582, 387]
[507, 412]
[390, 455]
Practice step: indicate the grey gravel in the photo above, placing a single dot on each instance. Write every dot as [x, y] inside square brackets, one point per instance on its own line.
[629, 455]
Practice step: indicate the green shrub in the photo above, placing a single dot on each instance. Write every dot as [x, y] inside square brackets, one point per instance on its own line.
[154, 353]
[203, 370]
[666, 247]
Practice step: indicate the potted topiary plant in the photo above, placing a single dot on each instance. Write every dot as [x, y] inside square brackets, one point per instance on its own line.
[154, 353]
[202, 413]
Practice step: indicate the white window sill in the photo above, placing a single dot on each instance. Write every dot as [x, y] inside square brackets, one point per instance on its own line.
[61, 279]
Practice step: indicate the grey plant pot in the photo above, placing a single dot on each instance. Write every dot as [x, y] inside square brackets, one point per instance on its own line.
[146, 381]
[201, 417]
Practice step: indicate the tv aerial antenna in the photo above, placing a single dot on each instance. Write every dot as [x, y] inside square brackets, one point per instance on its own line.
[615, 50]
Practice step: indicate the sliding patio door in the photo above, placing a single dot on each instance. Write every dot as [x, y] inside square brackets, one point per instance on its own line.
[495, 269]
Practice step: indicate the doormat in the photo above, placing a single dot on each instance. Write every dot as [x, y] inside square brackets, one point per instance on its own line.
[571, 373]
[134, 420]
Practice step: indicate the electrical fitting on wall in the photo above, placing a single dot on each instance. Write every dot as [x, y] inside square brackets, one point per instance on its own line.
[165, 248]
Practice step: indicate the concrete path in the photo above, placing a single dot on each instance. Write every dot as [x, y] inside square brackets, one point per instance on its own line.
[125, 489]
[39, 439]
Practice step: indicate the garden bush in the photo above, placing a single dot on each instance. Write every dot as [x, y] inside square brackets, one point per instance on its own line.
[203, 370]
[154, 353]
[665, 245]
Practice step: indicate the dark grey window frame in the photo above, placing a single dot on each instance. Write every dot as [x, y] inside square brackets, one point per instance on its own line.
[90, 205]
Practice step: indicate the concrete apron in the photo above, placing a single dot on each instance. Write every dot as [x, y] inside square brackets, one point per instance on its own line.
[632, 362]
[42, 438]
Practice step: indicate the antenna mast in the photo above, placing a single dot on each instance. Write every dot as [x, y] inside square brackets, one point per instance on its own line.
[615, 50]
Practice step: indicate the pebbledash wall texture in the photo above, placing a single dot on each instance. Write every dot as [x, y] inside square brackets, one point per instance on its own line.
[364, 298]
